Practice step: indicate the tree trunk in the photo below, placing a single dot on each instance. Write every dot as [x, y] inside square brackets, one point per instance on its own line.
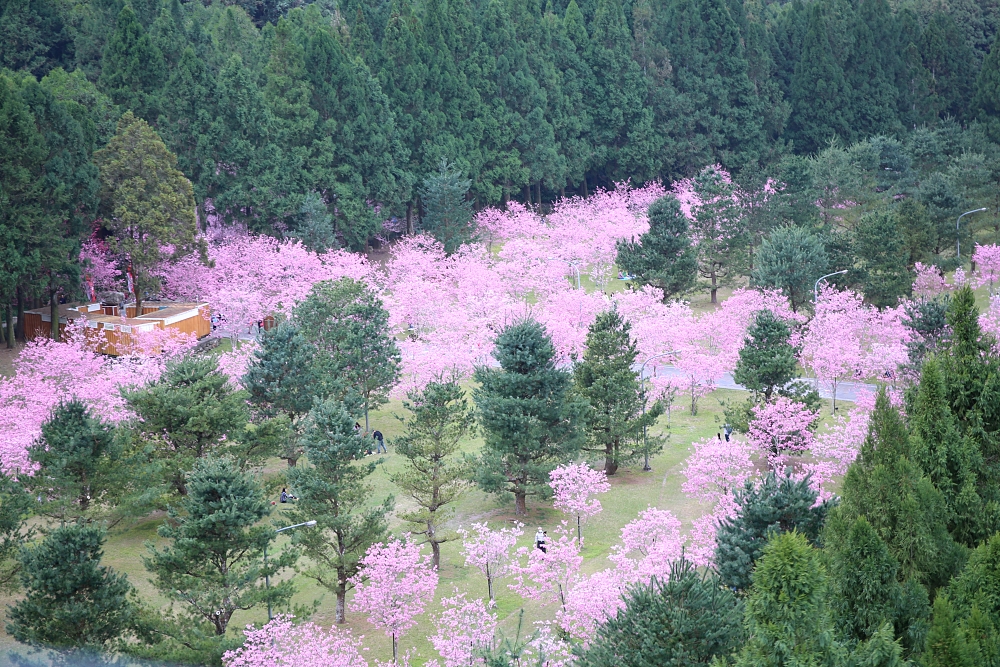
[436, 554]
[138, 305]
[10, 327]
[54, 315]
[694, 403]
[520, 507]
[538, 194]
[19, 330]
[341, 617]
[715, 287]
[610, 465]
[489, 581]
[3, 333]
[527, 195]
[562, 192]
[409, 218]
[586, 193]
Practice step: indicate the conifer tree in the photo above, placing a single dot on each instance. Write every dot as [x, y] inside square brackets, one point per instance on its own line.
[987, 100]
[717, 225]
[356, 354]
[787, 617]
[212, 565]
[819, 93]
[869, 71]
[314, 226]
[685, 618]
[447, 209]
[531, 422]
[948, 58]
[662, 257]
[919, 234]
[132, 69]
[767, 360]
[949, 460]
[775, 506]
[189, 414]
[71, 600]
[434, 474]
[78, 459]
[947, 645]
[882, 257]
[790, 259]
[886, 487]
[606, 377]
[332, 490]
[148, 204]
[978, 584]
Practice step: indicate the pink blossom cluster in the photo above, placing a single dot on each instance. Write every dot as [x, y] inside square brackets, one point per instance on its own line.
[489, 551]
[574, 484]
[649, 543]
[929, 281]
[986, 259]
[781, 429]
[394, 585]
[465, 629]
[282, 643]
[849, 340]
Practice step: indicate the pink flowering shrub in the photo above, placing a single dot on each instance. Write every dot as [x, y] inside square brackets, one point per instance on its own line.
[781, 429]
[464, 630]
[574, 484]
[986, 259]
[281, 643]
[489, 551]
[393, 586]
[929, 281]
[649, 544]
[548, 575]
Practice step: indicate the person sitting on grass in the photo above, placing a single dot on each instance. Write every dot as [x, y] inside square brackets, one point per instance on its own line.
[287, 497]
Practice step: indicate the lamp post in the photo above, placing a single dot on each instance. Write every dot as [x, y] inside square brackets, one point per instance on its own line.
[572, 265]
[642, 379]
[821, 279]
[267, 577]
[958, 238]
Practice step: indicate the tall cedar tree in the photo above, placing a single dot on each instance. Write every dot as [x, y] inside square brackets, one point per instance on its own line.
[147, 203]
[606, 378]
[947, 643]
[78, 459]
[435, 473]
[662, 257]
[349, 328]
[774, 506]
[948, 459]
[685, 618]
[314, 226]
[190, 413]
[987, 100]
[767, 359]
[281, 380]
[447, 209]
[881, 257]
[787, 616]
[865, 592]
[819, 94]
[973, 594]
[886, 487]
[71, 600]
[213, 562]
[332, 491]
[67, 196]
[791, 259]
[531, 421]
[132, 69]
[16, 506]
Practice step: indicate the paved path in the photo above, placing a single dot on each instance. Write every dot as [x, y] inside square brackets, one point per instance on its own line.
[846, 391]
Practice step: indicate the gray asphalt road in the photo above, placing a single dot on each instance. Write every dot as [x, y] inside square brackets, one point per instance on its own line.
[846, 391]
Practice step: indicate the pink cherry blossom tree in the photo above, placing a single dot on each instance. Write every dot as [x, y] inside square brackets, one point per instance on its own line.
[781, 429]
[716, 469]
[574, 484]
[464, 630]
[549, 575]
[490, 550]
[986, 259]
[929, 281]
[393, 586]
[592, 601]
[281, 643]
[649, 544]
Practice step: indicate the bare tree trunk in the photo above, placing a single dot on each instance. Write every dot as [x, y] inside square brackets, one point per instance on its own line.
[409, 218]
[10, 327]
[610, 466]
[520, 506]
[715, 287]
[53, 314]
[538, 193]
[19, 330]
[341, 616]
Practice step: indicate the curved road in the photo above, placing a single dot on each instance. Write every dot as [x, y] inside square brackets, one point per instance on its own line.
[846, 390]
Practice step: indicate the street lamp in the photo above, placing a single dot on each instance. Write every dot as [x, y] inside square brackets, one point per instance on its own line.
[267, 577]
[572, 264]
[822, 278]
[958, 240]
[642, 379]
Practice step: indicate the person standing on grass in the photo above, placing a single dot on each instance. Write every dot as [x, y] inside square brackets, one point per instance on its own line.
[380, 446]
[540, 540]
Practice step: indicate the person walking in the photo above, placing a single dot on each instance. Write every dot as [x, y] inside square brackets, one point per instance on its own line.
[729, 431]
[540, 540]
[380, 442]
